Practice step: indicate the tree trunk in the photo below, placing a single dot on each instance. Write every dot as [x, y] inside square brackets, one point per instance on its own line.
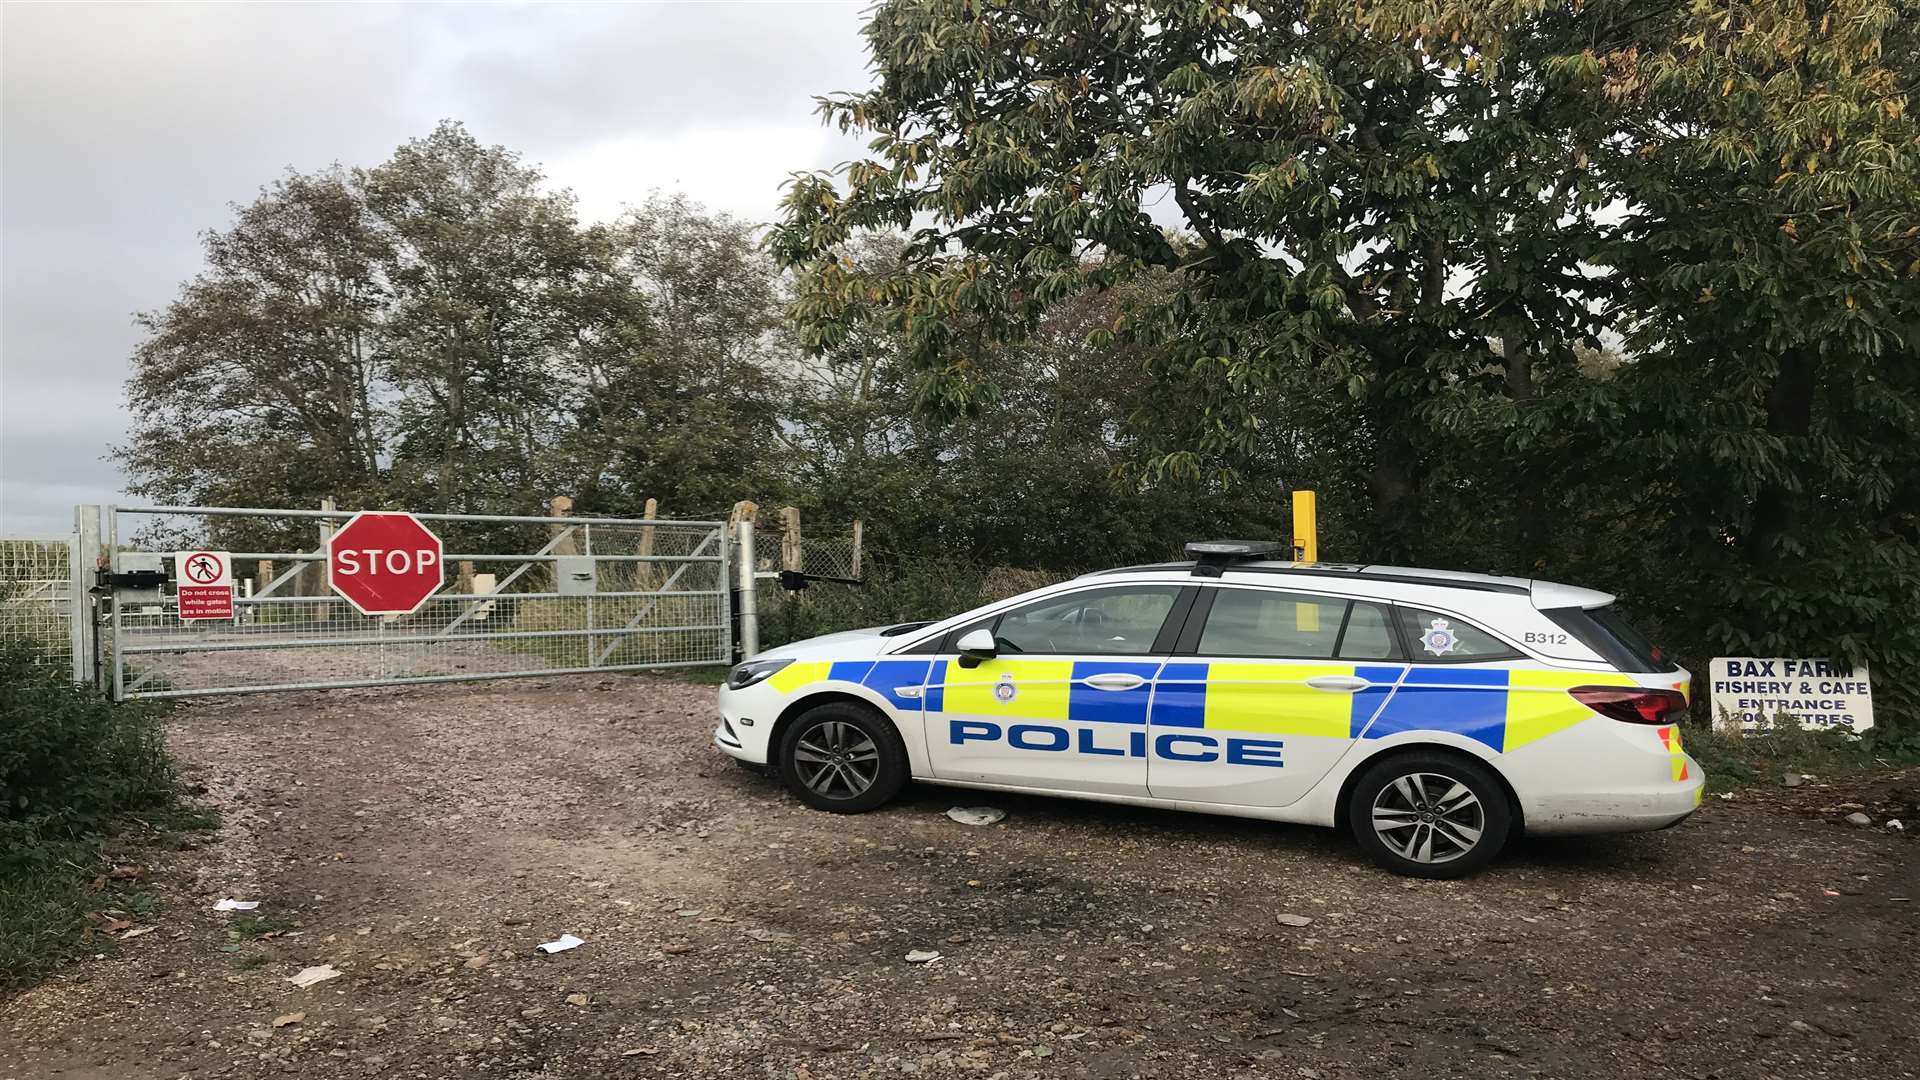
[1519, 363]
[456, 423]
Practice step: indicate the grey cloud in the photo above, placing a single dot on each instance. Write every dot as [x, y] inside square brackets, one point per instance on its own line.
[661, 69]
[127, 130]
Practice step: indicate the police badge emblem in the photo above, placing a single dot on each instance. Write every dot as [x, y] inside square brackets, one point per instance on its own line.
[1004, 690]
[1438, 640]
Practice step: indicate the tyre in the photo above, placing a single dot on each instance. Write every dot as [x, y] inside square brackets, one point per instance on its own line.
[1429, 815]
[843, 757]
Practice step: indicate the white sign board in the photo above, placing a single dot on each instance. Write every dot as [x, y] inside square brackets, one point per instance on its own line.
[204, 580]
[1750, 692]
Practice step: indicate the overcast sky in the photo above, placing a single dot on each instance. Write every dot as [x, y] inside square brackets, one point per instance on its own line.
[126, 130]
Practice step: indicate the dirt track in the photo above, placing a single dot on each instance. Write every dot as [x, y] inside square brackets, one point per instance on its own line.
[425, 840]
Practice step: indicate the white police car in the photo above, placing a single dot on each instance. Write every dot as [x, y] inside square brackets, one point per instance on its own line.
[1435, 714]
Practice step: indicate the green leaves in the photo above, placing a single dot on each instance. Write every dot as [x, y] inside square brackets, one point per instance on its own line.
[1403, 234]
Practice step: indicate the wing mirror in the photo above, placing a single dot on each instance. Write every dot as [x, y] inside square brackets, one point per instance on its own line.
[976, 646]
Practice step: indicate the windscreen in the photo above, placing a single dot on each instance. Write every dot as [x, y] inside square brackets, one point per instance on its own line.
[1609, 634]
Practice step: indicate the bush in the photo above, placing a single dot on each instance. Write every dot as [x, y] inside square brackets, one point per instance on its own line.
[906, 590]
[71, 766]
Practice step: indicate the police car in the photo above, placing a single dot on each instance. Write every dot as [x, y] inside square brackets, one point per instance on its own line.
[1434, 714]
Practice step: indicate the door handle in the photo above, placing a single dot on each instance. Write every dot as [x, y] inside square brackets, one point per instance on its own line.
[1338, 683]
[1114, 680]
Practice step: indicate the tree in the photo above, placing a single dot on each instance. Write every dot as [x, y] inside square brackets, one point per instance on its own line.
[1032, 474]
[1372, 201]
[441, 332]
[1399, 235]
[683, 402]
[482, 265]
[258, 385]
[1769, 271]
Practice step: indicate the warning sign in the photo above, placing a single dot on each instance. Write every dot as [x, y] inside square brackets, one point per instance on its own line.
[205, 582]
[1753, 693]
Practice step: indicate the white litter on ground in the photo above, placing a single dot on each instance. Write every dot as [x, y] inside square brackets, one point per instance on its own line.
[976, 815]
[567, 941]
[236, 905]
[317, 974]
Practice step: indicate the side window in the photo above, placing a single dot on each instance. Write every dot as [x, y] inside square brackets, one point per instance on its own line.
[1439, 638]
[1260, 622]
[1110, 622]
[1368, 636]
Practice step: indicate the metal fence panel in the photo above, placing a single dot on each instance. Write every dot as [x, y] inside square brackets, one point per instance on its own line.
[634, 594]
[36, 597]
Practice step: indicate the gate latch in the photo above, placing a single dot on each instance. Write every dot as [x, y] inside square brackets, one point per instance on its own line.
[136, 577]
[794, 580]
[132, 579]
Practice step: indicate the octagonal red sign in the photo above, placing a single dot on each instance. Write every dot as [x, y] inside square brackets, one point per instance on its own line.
[385, 563]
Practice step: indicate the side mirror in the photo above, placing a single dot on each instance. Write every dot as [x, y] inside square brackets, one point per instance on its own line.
[976, 646]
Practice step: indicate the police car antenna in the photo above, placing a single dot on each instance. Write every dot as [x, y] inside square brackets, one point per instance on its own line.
[1212, 557]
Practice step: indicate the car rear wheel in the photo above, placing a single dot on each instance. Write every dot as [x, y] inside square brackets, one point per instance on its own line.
[843, 757]
[1429, 815]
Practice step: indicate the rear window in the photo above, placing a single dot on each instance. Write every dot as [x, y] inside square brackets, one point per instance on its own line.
[1439, 639]
[1616, 640]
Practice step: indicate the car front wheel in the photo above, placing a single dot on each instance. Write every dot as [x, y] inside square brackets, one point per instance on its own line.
[843, 757]
[1430, 815]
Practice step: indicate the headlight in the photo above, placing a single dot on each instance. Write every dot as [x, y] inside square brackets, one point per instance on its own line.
[753, 671]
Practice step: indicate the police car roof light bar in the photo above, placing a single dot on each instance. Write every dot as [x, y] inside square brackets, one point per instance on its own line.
[1212, 556]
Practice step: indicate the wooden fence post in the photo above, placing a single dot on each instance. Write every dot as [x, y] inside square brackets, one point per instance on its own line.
[559, 506]
[790, 552]
[856, 549]
[646, 544]
[744, 510]
[313, 577]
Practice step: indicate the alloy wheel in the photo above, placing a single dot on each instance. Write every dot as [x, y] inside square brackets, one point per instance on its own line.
[1428, 818]
[837, 760]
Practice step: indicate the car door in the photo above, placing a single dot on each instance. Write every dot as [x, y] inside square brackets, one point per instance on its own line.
[1468, 682]
[1063, 703]
[1265, 691]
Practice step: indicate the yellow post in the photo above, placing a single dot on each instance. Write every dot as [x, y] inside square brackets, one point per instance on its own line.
[1306, 548]
[1306, 527]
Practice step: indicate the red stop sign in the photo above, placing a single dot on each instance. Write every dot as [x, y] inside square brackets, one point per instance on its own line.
[385, 564]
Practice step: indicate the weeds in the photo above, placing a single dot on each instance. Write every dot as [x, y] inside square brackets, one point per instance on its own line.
[1734, 760]
[73, 771]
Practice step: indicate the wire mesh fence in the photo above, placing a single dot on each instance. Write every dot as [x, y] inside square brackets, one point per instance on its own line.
[832, 553]
[520, 596]
[892, 589]
[36, 597]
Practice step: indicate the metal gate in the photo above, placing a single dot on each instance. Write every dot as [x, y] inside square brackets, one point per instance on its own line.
[522, 596]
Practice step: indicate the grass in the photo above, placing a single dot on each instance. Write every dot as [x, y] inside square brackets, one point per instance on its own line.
[1735, 761]
[84, 785]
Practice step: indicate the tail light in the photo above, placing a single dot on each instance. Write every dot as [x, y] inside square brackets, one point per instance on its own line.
[1633, 704]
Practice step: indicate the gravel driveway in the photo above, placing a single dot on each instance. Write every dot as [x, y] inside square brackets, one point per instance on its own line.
[423, 841]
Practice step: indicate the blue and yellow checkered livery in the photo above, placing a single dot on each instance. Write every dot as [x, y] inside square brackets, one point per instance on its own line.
[1502, 708]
